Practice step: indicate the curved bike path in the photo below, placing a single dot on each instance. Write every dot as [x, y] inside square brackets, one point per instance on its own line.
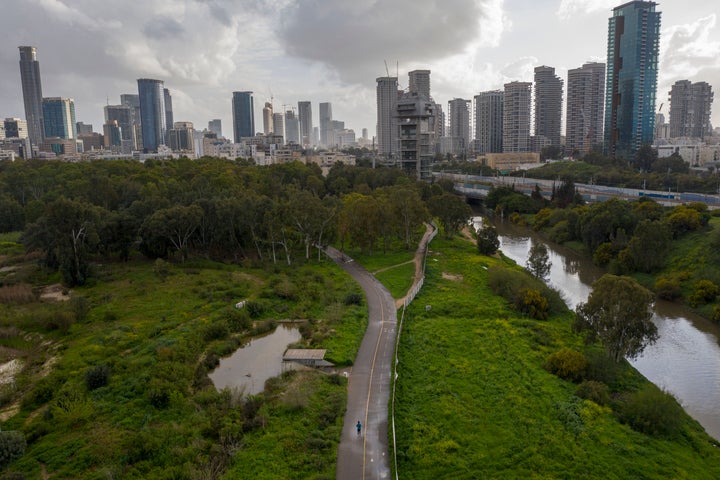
[366, 456]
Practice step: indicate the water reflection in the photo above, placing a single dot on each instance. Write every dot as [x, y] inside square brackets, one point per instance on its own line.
[255, 362]
[686, 358]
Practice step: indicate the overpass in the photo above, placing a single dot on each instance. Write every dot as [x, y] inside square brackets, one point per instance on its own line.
[477, 186]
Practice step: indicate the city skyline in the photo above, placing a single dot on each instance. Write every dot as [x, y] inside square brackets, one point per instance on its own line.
[205, 51]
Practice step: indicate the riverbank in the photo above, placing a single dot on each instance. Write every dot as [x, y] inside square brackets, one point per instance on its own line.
[473, 397]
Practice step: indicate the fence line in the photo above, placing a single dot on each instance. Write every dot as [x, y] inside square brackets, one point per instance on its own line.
[408, 298]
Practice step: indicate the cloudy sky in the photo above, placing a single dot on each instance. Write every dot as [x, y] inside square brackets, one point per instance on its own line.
[322, 50]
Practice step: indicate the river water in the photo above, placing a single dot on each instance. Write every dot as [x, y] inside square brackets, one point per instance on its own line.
[685, 360]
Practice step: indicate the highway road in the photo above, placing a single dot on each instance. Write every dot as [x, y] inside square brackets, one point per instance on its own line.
[365, 456]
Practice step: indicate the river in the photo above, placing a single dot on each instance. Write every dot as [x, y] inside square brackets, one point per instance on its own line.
[685, 360]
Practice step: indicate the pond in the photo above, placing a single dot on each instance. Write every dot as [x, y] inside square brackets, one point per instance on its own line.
[255, 362]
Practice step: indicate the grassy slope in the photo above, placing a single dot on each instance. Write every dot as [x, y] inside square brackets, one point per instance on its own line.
[150, 333]
[474, 402]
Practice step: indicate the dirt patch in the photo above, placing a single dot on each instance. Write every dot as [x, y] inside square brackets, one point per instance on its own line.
[450, 276]
[55, 293]
[8, 269]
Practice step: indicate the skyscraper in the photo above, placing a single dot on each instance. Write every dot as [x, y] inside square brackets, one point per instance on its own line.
[419, 82]
[215, 126]
[632, 67]
[387, 130]
[268, 118]
[132, 100]
[489, 122]
[690, 105]
[152, 113]
[548, 104]
[585, 107]
[279, 125]
[243, 109]
[516, 117]
[15, 128]
[59, 118]
[32, 93]
[120, 117]
[416, 133]
[292, 127]
[325, 120]
[459, 125]
[306, 123]
[169, 118]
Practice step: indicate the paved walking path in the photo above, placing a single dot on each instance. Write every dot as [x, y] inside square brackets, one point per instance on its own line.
[366, 456]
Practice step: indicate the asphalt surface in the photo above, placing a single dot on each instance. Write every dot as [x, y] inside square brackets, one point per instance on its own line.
[366, 456]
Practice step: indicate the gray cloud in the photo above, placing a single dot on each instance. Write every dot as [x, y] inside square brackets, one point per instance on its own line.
[353, 37]
[163, 28]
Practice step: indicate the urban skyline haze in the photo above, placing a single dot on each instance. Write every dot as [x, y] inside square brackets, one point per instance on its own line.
[203, 51]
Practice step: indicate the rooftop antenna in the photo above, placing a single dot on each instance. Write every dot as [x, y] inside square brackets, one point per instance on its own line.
[387, 72]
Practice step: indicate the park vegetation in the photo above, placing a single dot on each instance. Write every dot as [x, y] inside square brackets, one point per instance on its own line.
[145, 263]
[486, 389]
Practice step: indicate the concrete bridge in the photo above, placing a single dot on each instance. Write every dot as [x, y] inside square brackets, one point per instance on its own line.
[477, 186]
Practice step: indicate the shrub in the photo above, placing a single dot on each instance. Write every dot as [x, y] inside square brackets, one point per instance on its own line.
[512, 285]
[487, 240]
[80, 308]
[254, 309]
[594, 391]
[652, 411]
[353, 299]
[705, 292]
[215, 331]
[603, 254]
[535, 305]
[602, 368]
[668, 288]
[567, 364]
[12, 447]
[237, 320]
[159, 396]
[97, 376]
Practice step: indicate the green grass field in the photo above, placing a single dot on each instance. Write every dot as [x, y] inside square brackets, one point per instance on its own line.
[473, 400]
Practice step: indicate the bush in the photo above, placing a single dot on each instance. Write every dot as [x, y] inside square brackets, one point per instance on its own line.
[12, 447]
[652, 411]
[97, 376]
[668, 288]
[602, 368]
[16, 294]
[535, 305]
[487, 240]
[237, 320]
[512, 285]
[594, 391]
[705, 292]
[353, 299]
[159, 395]
[80, 308]
[254, 309]
[215, 331]
[567, 364]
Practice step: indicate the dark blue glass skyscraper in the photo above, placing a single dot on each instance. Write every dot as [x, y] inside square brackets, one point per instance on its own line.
[632, 67]
[243, 115]
[32, 93]
[152, 113]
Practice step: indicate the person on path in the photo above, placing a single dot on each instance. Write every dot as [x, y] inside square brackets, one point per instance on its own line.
[358, 426]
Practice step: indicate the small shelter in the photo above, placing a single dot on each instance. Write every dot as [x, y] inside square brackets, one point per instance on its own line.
[307, 356]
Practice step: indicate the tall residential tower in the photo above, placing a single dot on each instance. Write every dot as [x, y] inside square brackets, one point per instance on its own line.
[489, 122]
[632, 68]
[152, 113]
[516, 117]
[548, 104]
[690, 105]
[243, 115]
[32, 93]
[585, 107]
[386, 129]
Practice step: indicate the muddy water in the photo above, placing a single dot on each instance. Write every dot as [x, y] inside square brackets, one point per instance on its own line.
[686, 358]
[252, 364]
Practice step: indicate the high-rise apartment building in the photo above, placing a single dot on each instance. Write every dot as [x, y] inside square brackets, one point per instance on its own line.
[548, 104]
[690, 105]
[120, 117]
[292, 127]
[132, 101]
[386, 129]
[169, 117]
[632, 67]
[152, 113]
[15, 128]
[585, 107]
[325, 120]
[243, 109]
[268, 118]
[516, 117]
[32, 93]
[182, 137]
[419, 82]
[459, 125]
[83, 128]
[489, 122]
[416, 135]
[59, 118]
[215, 126]
[306, 123]
[278, 123]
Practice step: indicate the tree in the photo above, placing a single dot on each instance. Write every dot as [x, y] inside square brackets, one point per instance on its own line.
[451, 211]
[645, 157]
[619, 312]
[12, 447]
[538, 263]
[647, 248]
[174, 225]
[487, 239]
